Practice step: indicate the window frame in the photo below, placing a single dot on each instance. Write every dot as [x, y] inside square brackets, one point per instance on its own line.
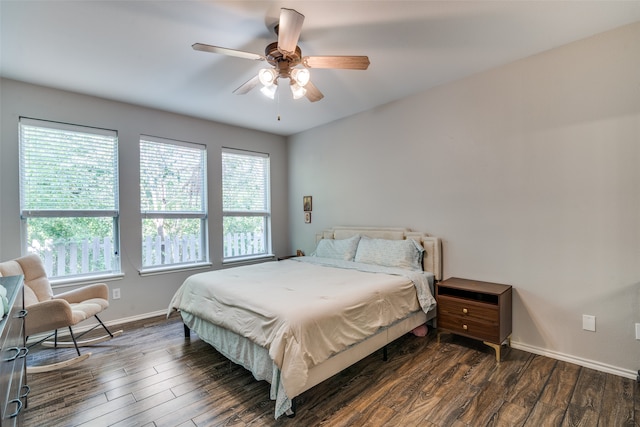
[169, 214]
[266, 213]
[27, 212]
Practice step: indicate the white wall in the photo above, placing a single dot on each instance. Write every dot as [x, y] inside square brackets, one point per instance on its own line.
[140, 295]
[529, 172]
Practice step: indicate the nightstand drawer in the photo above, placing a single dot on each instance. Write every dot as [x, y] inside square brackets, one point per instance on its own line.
[474, 310]
[470, 327]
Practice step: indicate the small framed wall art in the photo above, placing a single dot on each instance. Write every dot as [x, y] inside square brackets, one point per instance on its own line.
[307, 217]
[306, 203]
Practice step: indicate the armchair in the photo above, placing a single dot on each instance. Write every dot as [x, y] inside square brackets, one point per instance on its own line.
[48, 312]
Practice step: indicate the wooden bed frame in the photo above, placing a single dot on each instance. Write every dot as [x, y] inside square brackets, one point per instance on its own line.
[432, 262]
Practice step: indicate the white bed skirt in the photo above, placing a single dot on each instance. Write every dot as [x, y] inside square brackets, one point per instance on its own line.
[256, 359]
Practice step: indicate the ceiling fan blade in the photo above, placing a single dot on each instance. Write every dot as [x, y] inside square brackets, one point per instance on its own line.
[343, 62]
[313, 94]
[229, 52]
[247, 86]
[289, 30]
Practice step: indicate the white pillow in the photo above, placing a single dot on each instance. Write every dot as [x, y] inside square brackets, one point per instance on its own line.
[344, 249]
[405, 254]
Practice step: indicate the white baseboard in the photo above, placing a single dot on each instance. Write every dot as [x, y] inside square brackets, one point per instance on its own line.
[598, 366]
[124, 320]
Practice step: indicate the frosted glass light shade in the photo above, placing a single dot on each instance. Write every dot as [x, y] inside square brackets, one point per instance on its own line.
[269, 91]
[301, 76]
[267, 76]
[298, 91]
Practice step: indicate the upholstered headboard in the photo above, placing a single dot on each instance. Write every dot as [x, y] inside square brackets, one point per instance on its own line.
[432, 260]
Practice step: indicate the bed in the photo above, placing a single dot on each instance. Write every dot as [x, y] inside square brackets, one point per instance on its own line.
[360, 290]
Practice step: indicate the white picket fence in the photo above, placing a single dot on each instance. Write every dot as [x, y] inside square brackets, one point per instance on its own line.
[97, 255]
[243, 244]
[189, 249]
[157, 251]
[71, 258]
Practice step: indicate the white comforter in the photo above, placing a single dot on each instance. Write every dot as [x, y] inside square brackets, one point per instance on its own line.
[306, 309]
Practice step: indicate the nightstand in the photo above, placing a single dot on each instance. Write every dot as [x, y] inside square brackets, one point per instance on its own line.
[474, 309]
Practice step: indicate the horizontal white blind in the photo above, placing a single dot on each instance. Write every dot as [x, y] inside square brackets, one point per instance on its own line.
[245, 181]
[171, 176]
[67, 168]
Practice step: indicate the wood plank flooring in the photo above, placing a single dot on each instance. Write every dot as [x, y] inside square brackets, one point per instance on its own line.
[152, 377]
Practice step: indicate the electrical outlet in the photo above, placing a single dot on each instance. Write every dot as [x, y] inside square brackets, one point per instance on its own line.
[589, 323]
[638, 331]
[116, 293]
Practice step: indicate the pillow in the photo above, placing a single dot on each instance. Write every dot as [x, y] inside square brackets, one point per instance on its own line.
[405, 254]
[344, 249]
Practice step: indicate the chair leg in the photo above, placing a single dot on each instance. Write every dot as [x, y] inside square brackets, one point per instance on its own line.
[58, 365]
[74, 340]
[103, 325]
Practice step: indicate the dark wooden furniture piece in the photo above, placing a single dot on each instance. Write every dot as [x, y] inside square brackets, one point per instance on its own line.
[479, 310]
[13, 355]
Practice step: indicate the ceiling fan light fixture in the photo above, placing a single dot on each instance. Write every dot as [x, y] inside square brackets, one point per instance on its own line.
[284, 55]
[298, 91]
[267, 76]
[269, 91]
[301, 76]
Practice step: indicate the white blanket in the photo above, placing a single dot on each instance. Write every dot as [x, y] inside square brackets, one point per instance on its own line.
[306, 309]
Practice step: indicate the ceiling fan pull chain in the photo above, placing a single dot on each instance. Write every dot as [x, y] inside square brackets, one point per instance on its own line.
[278, 104]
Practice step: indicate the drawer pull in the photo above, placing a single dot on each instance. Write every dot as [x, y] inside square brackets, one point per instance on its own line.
[465, 311]
[22, 314]
[464, 327]
[15, 356]
[17, 402]
[27, 390]
[23, 352]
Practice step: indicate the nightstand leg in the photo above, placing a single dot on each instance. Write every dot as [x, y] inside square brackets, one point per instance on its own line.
[496, 347]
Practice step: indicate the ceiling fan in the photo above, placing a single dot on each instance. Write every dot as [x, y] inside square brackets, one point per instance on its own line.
[285, 56]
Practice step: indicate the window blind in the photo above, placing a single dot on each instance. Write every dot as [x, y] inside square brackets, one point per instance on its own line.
[67, 168]
[171, 176]
[245, 181]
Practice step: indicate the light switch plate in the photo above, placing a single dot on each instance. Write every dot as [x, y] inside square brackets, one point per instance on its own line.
[638, 331]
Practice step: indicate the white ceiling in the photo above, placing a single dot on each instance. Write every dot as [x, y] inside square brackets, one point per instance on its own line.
[140, 51]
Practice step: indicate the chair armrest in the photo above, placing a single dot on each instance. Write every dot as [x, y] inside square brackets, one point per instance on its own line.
[46, 316]
[97, 290]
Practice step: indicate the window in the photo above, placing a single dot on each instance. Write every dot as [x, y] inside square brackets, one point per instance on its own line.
[69, 197]
[172, 203]
[245, 204]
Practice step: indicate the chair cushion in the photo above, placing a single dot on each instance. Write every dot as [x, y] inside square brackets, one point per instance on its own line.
[88, 308]
[15, 268]
[10, 268]
[35, 277]
[30, 297]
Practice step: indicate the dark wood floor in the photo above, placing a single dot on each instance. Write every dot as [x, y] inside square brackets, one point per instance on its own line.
[152, 376]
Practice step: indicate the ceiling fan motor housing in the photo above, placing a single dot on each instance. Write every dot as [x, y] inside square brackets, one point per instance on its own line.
[282, 62]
